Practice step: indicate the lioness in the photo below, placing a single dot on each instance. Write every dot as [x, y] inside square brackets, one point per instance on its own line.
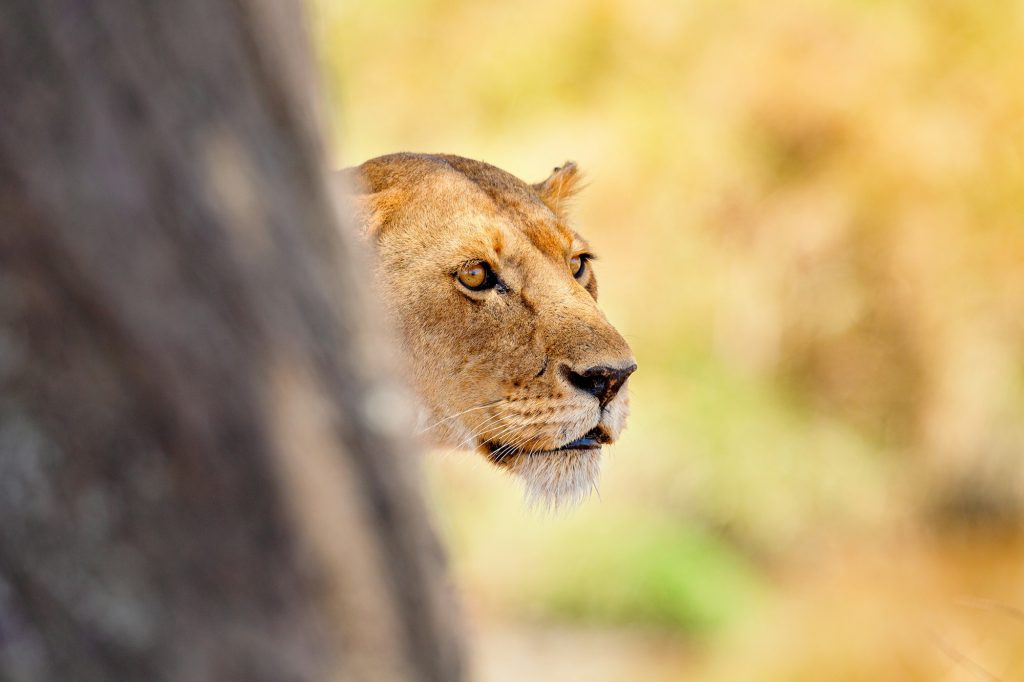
[495, 299]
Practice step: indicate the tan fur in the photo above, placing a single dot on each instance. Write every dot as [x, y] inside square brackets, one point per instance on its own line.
[490, 368]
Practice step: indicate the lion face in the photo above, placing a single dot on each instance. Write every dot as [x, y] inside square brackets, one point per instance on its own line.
[496, 300]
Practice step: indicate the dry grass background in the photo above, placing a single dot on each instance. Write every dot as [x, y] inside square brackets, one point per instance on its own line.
[810, 219]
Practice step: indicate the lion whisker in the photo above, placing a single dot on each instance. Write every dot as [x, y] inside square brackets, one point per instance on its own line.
[515, 442]
[458, 414]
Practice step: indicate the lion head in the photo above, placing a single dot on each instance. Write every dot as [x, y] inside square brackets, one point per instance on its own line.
[495, 298]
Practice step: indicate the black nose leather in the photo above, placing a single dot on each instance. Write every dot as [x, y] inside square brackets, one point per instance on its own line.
[601, 382]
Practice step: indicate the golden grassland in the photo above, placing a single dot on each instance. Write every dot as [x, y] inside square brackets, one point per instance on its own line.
[810, 224]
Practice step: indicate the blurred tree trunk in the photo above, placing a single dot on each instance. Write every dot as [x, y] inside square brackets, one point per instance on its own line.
[202, 475]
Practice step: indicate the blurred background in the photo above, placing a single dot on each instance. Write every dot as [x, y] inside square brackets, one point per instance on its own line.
[810, 224]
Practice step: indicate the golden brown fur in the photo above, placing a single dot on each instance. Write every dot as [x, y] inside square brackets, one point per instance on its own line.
[494, 370]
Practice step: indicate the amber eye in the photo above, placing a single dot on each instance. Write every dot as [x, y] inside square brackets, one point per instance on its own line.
[476, 276]
[578, 264]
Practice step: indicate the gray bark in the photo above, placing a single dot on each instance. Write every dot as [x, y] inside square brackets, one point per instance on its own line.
[200, 478]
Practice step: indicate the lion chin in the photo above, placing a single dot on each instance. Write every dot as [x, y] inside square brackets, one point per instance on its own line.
[494, 296]
[559, 481]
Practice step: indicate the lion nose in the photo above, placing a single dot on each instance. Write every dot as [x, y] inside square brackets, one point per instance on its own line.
[602, 382]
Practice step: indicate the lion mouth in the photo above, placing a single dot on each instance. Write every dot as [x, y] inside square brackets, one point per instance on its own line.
[591, 440]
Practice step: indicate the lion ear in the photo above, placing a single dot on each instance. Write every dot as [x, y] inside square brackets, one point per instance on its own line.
[561, 185]
[372, 209]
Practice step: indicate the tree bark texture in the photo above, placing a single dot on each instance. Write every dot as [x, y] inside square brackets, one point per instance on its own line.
[203, 471]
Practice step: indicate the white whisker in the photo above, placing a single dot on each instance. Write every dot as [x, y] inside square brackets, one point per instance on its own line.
[458, 414]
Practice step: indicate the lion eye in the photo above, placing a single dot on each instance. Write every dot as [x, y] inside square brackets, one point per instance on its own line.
[476, 276]
[578, 264]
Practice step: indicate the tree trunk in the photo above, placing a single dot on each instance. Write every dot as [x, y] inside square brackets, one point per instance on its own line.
[203, 472]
